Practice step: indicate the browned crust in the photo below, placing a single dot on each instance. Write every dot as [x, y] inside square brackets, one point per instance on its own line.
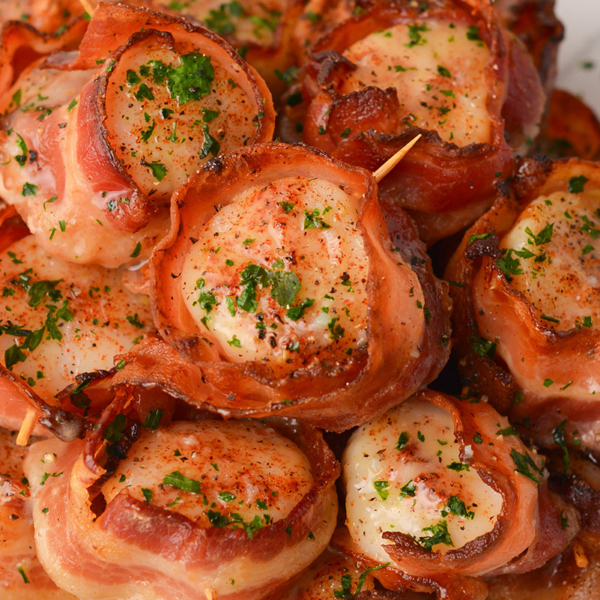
[373, 381]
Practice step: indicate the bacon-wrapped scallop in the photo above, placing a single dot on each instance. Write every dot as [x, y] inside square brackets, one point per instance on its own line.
[21, 575]
[442, 492]
[93, 144]
[450, 73]
[57, 320]
[527, 305]
[280, 281]
[154, 506]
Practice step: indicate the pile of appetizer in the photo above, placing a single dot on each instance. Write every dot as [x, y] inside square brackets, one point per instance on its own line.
[300, 300]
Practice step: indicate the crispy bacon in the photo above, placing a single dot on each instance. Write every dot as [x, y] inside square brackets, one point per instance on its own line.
[534, 350]
[22, 45]
[491, 515]
[137, 535]
[21, 574]
[362, 105]
[145, 101]
[330, 274]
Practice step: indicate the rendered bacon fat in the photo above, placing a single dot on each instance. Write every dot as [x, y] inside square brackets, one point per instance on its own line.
[449, 73]
[94, 144]
[184, 509]
[528, 316]
[279, 280]
[443, 492]
[21, 574]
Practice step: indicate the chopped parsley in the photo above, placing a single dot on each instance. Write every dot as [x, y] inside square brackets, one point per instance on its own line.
[381, 487]
[439, 535]
[576, 184]
[313, 220]
[177, 480]
[456, 506]
[524, 464]
[402, 440]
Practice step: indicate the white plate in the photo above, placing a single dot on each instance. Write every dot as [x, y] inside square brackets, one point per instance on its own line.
[579, 54]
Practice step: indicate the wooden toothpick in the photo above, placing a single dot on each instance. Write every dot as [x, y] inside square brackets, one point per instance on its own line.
[387, 166]
[27, 427]
[88, 7]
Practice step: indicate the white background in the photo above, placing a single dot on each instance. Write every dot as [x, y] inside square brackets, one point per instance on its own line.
[582, 44]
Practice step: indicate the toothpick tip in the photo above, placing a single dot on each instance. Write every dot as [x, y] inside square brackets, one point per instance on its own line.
[392, 162]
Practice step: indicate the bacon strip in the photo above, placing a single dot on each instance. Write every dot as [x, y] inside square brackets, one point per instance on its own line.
[526, 534]
[22, 45]
[132, 546]
[536, 25]
[406, 347]
[18, 560]
[364, 127]
[515, 386]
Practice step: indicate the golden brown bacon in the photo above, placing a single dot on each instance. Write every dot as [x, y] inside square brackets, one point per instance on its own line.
[527, 303]
[181, 496]
[376, 80]
[277, 265]
[147, 99]
[459, 499]
[22, 45]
